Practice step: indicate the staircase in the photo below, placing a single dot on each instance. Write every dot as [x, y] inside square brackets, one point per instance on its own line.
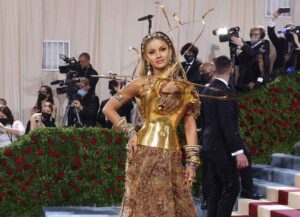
[279, 183]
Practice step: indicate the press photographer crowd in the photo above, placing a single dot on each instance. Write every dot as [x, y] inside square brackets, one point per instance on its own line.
[250, 59]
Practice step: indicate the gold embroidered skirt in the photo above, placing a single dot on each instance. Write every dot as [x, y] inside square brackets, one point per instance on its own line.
[155, 185]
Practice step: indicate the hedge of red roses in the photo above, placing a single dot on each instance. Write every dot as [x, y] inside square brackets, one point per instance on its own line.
[270, 117]
[61, 166]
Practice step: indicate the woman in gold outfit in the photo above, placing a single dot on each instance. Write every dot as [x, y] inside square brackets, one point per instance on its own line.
[156, 182]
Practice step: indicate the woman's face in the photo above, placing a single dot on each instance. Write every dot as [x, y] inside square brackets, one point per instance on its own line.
[46, 109]
[158, 54]
[2, 115]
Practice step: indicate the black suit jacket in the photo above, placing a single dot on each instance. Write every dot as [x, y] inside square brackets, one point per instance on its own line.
[220, 118]
[125, 111]
[193, 74]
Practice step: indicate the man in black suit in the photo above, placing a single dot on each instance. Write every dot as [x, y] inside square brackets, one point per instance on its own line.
[125, 111]
[191, 65]
[86, 70]
[222, 145]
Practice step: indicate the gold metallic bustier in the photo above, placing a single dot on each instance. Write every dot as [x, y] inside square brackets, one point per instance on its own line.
[162, 104]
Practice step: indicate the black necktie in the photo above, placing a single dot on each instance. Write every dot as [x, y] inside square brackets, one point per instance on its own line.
[187, 66]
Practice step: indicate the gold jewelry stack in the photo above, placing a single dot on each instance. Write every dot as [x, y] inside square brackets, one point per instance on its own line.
[192, 156]
[123, 127]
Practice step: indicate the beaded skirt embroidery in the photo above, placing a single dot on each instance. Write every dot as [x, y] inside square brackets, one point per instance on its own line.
[155, 185]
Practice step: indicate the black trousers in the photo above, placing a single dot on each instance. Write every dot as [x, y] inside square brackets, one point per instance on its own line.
[246, 174]
[246, 177]
[222, 182]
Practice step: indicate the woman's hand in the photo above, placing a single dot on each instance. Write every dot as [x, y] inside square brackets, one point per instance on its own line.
[131, 146]
[190, 177]
[2, 127]
[275, 15]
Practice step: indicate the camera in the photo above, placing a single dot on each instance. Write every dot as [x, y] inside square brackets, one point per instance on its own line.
[225, 34]
[71, 64]
[290, 30]
[69, 85]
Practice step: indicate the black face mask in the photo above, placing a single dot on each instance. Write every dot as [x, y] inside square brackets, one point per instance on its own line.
[42, 96]
[205, 78]
[4, 121]
[189, 58]
[46, 116]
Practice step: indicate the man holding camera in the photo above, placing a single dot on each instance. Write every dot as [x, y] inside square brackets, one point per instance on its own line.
[85, 107]
[254, 60]
[287, 47]
[87, 70]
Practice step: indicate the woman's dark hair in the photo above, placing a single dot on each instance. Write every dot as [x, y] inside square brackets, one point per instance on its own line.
[49, 98]
[4, 101]
[5, 110]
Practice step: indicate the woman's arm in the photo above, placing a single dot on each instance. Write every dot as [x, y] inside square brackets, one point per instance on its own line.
[115, 102]
[35, 120]
[17, 129]
[119, 123]
[192, 150]
[54, 113]
[190, 129]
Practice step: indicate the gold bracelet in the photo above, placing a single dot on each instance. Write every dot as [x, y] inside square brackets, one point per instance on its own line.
[192, 154]
[119, 97]
[123, 127]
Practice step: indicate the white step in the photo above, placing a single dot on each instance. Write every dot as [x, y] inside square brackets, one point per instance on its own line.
[265, 211]
[294, 200]
[273, 192]
[243, 205]
[297, 180]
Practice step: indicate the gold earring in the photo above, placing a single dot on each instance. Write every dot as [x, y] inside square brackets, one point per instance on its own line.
[148, 69]
[170, 60]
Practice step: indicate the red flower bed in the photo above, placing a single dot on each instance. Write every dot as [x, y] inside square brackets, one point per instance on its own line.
[55, 167]
[270, 117]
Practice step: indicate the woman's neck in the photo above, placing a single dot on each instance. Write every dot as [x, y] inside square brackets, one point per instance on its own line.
[158, 72]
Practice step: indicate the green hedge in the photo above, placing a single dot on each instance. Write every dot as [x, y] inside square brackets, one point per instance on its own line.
[63, 167]
[57, 167]
[270, 117]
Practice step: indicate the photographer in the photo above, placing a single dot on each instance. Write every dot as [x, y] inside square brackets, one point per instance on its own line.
[254, 60]
[10, 129]
[43, 119]
[86, 70]
[84, 109]
[45, 95]
[287, 47]
[125, 111]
